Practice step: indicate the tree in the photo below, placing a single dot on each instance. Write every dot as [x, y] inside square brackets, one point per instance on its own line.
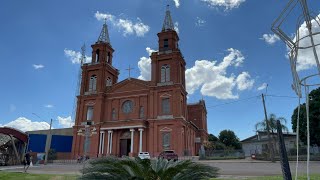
[160, 169]
[212, 138]
[228, 138]
[314, 119]
[272, 121]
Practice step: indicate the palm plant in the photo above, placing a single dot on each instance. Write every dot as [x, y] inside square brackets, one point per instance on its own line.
[272, 122]
[144, 169]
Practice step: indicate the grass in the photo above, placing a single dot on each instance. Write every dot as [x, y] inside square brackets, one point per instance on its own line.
[27, 176]
[312, 177]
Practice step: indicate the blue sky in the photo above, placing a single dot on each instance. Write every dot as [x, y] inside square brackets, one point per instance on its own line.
[229, 49]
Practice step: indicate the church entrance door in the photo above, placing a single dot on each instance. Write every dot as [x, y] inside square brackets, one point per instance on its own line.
[125, 144]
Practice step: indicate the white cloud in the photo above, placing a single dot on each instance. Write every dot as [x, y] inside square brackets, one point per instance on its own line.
[227, 4]
[262, 87]
[270, 38]
[127, 26]
[49, 106]
[200, 22]
[25, 124]
[38, 66]
[306, 58]
[12, 108]
[65, 122]
[75, 56]
[212, 79]
[177, 3]
[244, 81]
[210, 76]
[176, 27]
[144, 65]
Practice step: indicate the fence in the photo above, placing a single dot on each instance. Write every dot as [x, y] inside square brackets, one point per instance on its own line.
[224, 154]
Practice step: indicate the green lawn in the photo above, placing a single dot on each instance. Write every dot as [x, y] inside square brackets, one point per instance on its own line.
[312, 177]
[27, 176]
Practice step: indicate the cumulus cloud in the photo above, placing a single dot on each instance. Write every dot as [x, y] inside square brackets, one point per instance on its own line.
[176, 27]
[270, 38]
[75, 56]
[305, 59]
[210, 76]
[244, 81]
[49, 106]
[24, 124]
[144, 65]
[262, 87]
[177, 3]
[65, 122]
[128, 27]
[227, 4]
[200, 22]
[38, 66]
[212, 79]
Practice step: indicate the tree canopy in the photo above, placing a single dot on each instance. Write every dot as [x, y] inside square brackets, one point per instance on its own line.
[314, 118]
[229, 138]
[212, 138]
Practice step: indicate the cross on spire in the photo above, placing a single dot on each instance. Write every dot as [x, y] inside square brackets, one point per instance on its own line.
[167, 24]
[104, 35]
[129, 69]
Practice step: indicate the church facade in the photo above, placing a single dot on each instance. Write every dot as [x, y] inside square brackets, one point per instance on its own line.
[131, 116]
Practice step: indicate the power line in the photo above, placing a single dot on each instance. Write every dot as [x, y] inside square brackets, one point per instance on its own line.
[281, 96]
[245, 99]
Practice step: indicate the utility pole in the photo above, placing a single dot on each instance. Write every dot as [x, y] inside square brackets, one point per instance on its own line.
[48, 143]
[271, 150]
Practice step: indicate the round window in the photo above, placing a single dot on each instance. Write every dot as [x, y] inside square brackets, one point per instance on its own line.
[127, 106]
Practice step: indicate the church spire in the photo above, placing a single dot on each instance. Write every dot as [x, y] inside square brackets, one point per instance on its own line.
[167, 24]
[104, 35]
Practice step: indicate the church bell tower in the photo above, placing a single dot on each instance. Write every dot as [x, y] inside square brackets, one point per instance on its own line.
[168, 65]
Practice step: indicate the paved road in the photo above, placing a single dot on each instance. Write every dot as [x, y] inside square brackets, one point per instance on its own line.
[233, 168]
[261, 168]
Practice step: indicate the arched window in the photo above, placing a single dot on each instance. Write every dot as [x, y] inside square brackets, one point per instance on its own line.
[166, 44]
[97, 55]
[141, 112]
[165, 106]
[108, 81]
[108, 56]
[93, 83]
[89, 113]
[113, 114]
[165, 73]
[166, 140]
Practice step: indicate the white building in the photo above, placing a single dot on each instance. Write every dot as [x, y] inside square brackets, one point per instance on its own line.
[258, 143]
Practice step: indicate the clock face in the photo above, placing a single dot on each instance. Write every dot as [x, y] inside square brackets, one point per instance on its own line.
[127, 106]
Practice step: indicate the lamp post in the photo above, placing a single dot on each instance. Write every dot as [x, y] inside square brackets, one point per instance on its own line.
[87, 133]
[48, 140]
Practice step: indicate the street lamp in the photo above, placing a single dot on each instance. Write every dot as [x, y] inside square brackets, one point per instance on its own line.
[87, 133]
[47, 140]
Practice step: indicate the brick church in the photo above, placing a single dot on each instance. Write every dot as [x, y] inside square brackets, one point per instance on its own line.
[132, 116]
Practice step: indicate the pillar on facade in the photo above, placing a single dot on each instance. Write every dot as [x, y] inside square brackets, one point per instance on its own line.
[110, 148]
[140, 140]
[132, 140]
[109, 144]
[101, 143]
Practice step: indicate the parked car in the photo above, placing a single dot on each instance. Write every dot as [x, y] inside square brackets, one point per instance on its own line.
[144, 155]
[169, 155]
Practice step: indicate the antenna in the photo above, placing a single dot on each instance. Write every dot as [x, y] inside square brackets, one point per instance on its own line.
[79, 77]
[83, 54]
